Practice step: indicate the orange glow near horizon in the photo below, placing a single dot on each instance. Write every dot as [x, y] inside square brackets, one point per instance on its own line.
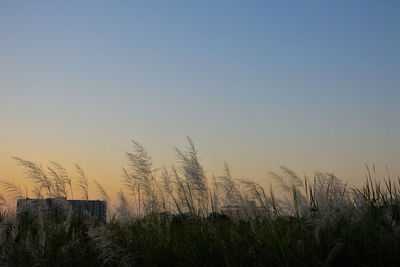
[106, 168]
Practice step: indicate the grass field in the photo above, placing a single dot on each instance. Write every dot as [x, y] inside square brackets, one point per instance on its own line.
[172, 217]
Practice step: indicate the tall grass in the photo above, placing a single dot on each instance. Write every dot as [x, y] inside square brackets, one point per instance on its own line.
[172, 217]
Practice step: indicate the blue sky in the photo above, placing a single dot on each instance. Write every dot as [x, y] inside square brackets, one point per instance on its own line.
[313, 85]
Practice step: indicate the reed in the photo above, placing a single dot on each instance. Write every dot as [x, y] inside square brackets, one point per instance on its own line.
[165, 217]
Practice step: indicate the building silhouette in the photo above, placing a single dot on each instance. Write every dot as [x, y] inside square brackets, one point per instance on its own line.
[60, 207]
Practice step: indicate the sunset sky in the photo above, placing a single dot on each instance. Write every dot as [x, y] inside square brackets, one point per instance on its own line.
[311, 85]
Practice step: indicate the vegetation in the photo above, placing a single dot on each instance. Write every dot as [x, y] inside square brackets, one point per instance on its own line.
[172, 217]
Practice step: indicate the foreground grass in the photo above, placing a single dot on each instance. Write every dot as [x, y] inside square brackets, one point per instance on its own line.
[370, 240]
[318, 222]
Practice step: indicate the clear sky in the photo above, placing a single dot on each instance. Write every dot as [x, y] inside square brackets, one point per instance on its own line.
[312, 85]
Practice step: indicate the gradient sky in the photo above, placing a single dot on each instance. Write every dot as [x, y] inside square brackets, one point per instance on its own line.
[312, 85]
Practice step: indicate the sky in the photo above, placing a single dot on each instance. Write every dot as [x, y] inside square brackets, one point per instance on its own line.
[310, 85]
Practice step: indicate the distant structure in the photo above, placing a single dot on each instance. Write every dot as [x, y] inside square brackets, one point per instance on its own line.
[243, 212]
[84, 209]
